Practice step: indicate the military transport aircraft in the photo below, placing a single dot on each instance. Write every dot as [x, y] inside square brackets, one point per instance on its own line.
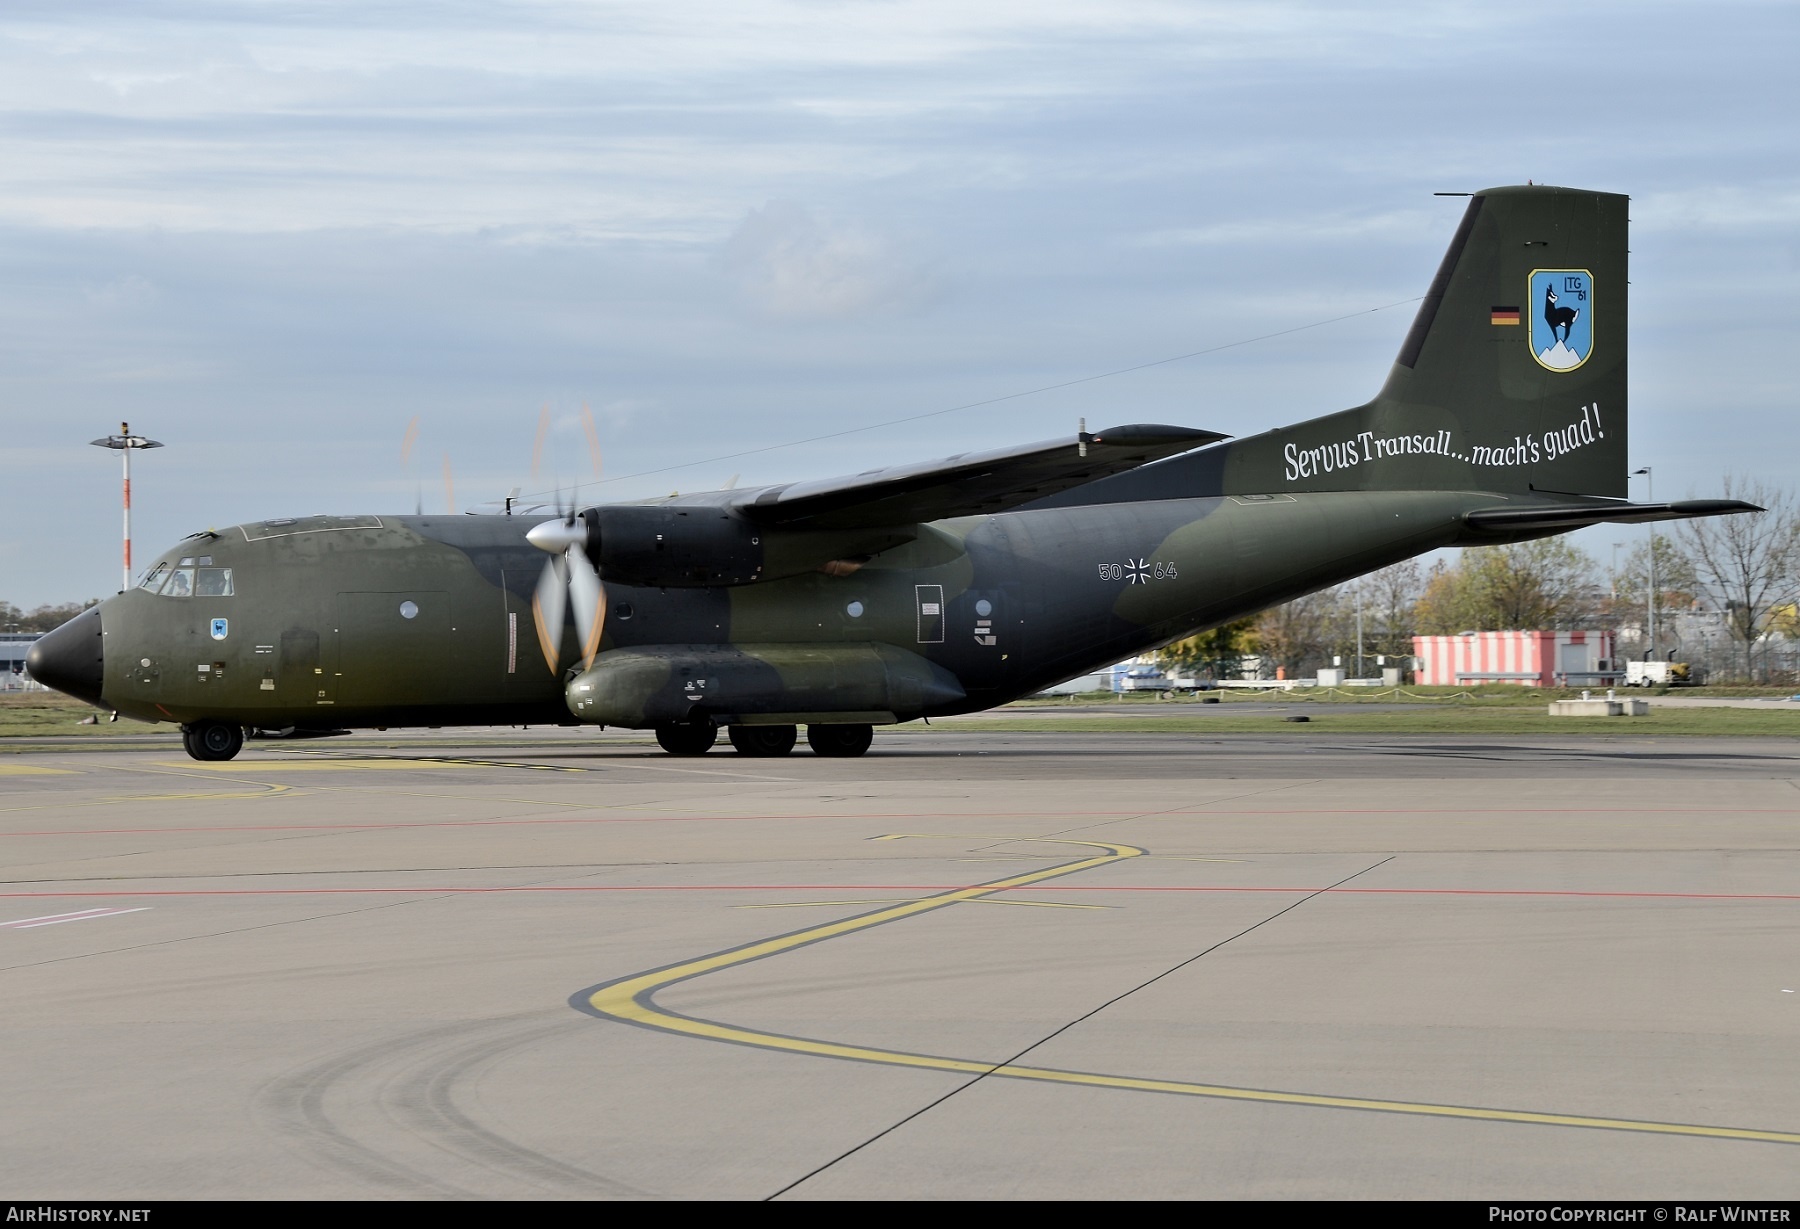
[909, 591]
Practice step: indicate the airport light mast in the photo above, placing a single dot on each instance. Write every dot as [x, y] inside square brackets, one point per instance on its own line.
[125, 442]
[1650, 600]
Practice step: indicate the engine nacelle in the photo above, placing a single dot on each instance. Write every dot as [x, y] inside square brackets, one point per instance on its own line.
[673, 547]
[690, 546]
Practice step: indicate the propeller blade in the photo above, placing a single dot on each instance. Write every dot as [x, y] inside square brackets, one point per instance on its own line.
[593, 435]
[547, 609]
[537, 447]
[412, 437]
[449, 486]
[588, 596]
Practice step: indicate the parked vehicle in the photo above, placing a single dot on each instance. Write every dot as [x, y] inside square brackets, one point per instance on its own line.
[1658, 674]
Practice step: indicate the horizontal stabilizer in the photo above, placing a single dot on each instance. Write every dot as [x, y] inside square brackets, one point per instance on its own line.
[968, 484]
[1528, 520]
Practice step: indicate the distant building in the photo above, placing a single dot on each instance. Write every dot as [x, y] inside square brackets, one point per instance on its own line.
[13, 647]
[1530, 659]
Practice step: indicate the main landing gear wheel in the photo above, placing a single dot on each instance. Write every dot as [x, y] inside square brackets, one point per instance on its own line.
[687, 737]
[212, 740]
[763, 739]
[839, 740]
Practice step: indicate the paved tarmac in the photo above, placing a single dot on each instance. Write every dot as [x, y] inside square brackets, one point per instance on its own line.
[553, 964]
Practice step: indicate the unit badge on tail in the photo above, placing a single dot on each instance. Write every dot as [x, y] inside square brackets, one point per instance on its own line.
[1562, 317]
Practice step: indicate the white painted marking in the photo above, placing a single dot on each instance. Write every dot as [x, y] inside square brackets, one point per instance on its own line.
[53, 919]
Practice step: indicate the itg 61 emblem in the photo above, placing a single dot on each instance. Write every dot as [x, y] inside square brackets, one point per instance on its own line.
[1561, 310]
[220, 629]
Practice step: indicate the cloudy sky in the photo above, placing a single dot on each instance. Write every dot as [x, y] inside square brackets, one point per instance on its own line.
[271, 234]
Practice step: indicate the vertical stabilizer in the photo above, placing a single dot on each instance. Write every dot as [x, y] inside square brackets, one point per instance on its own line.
[1511, 379]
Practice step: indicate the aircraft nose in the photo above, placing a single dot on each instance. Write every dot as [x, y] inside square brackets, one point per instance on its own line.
[69, 658]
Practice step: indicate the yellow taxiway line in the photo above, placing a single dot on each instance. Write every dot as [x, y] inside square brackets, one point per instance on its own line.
[339, 764]
[632, 1000]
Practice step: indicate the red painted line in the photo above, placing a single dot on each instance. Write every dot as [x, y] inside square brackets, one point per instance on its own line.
[902, 887]
[448, 823]
[1050, 817]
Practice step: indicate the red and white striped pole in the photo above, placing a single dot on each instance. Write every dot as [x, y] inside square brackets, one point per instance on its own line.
[125, 441]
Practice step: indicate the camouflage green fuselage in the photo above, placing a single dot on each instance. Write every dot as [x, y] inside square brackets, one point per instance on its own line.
[853, 600]
[314, 633]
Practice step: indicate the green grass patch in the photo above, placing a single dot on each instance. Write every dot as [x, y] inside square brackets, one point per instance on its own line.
[1482, 694]
[1426, 719]
[48, 712]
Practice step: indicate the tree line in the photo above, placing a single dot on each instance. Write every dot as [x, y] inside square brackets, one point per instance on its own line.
[1720, 593]
[42, 618]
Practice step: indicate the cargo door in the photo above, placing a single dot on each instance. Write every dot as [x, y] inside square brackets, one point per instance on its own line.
[395, 649]
[302, 677]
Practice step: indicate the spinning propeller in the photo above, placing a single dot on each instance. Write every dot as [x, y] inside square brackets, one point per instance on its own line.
[569, 580]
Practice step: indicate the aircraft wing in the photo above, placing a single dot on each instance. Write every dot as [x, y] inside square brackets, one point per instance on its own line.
[968, 484]
[1515, 520]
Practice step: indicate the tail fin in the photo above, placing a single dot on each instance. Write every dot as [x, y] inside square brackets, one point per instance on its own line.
[1512, 378]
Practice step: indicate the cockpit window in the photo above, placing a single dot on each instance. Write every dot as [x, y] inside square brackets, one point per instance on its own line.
[153, 582]
[198, 582]
[213, 582]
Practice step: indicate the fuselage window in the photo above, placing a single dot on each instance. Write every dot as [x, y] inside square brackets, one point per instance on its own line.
[213, 582]
[153, 582]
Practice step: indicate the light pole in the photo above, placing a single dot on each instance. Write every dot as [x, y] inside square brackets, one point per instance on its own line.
[1650, 601]
[125, 442]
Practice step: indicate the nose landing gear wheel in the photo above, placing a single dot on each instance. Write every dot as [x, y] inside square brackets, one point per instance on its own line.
[839, 740]
[763, 739]
[687, 737]
[212, 740]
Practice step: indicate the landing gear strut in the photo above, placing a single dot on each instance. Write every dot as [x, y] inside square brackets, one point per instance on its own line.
[763, 739]
[687, 737]
[212, 740]
[839, 740]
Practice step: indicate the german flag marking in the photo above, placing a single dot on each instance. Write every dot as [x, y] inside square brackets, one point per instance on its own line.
[1505, 315]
